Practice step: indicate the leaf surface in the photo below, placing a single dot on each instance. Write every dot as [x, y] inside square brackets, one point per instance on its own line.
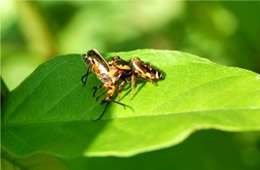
[51, 111]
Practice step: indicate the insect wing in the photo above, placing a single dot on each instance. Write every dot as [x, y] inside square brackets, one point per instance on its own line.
[98, 59]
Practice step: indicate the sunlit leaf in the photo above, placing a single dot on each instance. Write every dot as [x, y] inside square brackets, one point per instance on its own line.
[51, 111]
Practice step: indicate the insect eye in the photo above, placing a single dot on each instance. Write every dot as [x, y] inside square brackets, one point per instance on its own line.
[91, 52]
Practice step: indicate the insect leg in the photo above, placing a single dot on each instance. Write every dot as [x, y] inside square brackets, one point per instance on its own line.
[100, 95]
[120, 89]
[110, 93]
[122, 104]
[85, 77]
[108, 99]
[95, 89]
[104, 101]
[102, 112]
[133, 82]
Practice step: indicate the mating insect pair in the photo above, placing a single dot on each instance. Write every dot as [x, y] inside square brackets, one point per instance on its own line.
[115, 74]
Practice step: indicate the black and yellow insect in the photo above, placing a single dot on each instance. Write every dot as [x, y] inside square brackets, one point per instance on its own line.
[131, 71]
[122, 70]
[115, 74]
[109, 76]
[144, 71]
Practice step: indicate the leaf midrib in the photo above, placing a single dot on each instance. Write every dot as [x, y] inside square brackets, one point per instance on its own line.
[135, 116]
[142, 115]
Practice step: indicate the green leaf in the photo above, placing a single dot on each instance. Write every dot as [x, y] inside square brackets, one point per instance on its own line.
[51, 111]
[203, 150]
[34, 162]
[4, 91]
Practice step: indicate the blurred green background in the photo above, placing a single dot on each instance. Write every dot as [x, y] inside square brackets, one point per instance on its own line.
[228, 33]
[35, 31]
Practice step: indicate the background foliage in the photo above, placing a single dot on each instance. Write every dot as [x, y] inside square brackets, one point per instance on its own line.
[225, 32]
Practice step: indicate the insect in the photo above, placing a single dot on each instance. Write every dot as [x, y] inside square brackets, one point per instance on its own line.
[130, 71]
[144, 71]
[109, 76]
[116, 73]
[123, 70]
